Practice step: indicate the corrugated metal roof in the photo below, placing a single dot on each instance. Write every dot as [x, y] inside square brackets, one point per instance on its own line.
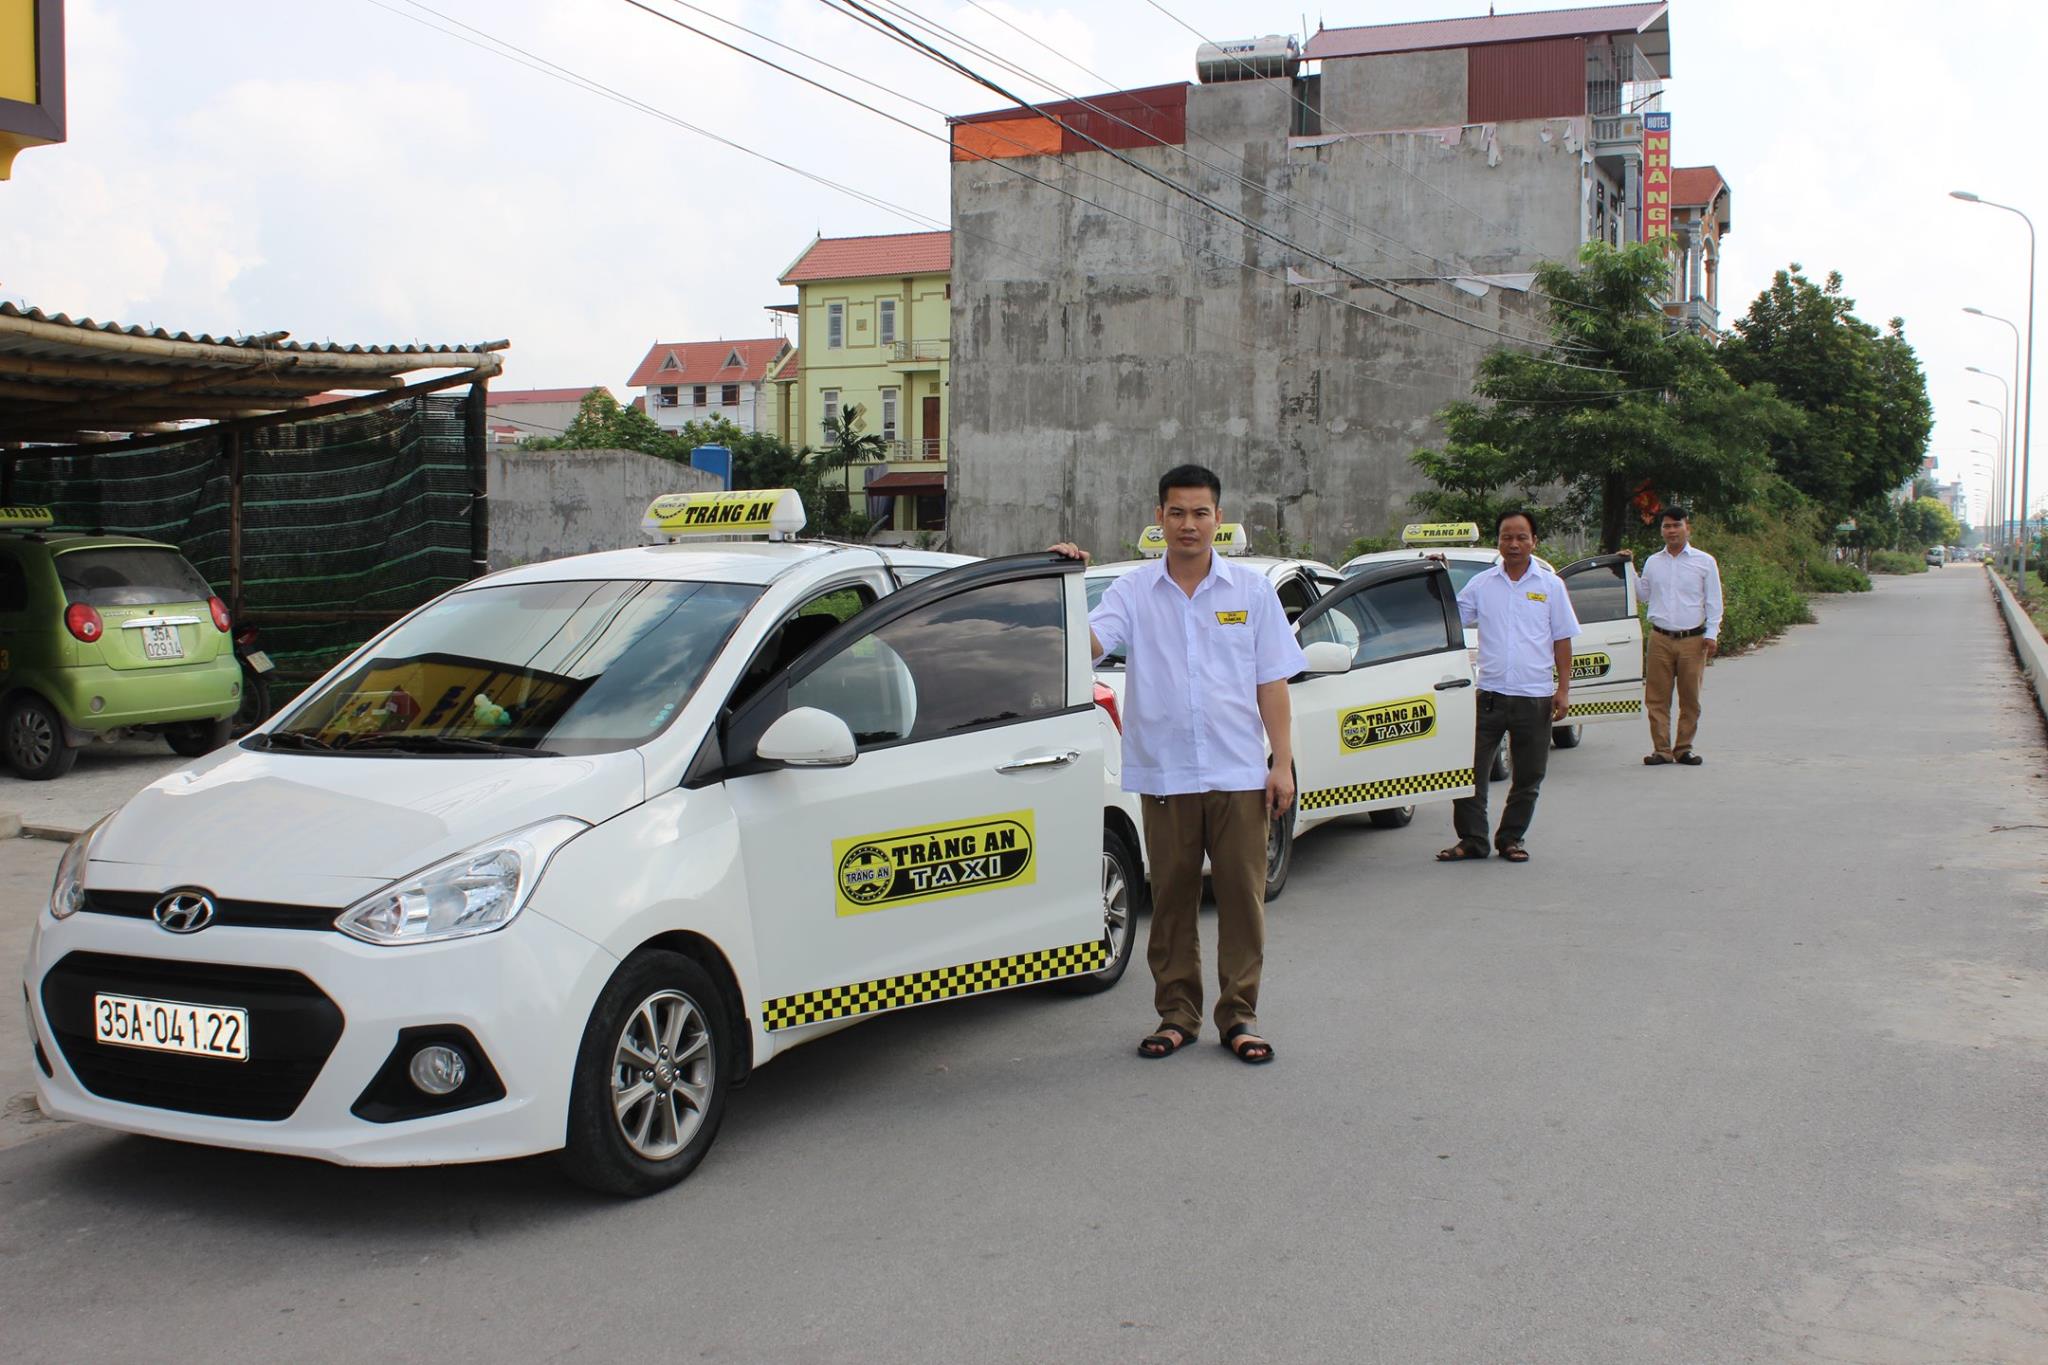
[703, 362]
[254, 341]
[1649, 21]
[857, 258]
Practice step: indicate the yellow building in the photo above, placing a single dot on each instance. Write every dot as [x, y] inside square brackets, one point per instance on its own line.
[874, 321]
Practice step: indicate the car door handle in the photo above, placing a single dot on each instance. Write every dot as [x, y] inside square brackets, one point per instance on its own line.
[1448, 683]
[1029, 765]
[1619, 639]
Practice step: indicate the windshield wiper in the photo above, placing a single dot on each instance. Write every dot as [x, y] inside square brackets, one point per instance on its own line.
[289, 739]
[444, 744]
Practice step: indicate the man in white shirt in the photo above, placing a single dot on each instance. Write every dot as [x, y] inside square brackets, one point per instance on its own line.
[1681, 585]
[1526, 625]
[1208, 652]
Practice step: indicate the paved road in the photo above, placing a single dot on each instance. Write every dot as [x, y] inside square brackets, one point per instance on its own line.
[1748, 1064]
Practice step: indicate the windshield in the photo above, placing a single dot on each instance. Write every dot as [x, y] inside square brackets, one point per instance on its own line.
[129, 576]
[560, 668]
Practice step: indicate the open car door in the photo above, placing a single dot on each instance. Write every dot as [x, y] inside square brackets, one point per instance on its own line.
[1397, 729]
[1607, 653]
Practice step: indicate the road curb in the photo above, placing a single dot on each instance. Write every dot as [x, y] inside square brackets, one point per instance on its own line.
[2027, 643]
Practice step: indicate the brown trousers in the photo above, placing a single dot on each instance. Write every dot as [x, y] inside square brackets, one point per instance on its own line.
[1231, 828]
[1682, 661]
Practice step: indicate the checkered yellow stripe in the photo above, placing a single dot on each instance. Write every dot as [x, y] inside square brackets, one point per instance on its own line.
[944, 983]
[1415, 784]
[1603, 708]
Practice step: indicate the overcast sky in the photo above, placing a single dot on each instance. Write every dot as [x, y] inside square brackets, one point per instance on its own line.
[342, 171]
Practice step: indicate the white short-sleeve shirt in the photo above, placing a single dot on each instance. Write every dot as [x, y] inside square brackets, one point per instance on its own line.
[1193, 666]
[1520, 621]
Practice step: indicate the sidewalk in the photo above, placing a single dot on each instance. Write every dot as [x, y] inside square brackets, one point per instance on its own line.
[106, 776]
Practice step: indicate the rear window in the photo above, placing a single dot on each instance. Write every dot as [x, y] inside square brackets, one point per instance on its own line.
[129, 576]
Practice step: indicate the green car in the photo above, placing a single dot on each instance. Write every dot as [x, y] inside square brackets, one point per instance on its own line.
[102, 636]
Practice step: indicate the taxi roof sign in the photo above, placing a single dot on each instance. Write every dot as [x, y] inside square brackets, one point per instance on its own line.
[26, 518]
[1440, 533]
[1230, 539]
[777, 513]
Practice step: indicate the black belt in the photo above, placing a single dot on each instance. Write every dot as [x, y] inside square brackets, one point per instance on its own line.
[1680, 634]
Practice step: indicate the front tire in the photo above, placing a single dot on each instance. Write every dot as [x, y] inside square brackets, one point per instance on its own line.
[651, 1077]
[1566, 736]
[34, 739]
[1123, 883]
[1394, 818]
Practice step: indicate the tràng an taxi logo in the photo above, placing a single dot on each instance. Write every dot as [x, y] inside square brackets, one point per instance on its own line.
[877, 871]
[1368, 727]
[1229, 618]
[696, 511]
[1591, 666]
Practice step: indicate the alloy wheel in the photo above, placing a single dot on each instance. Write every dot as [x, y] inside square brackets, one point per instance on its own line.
[1116, 906]
[30, 740]
[663, 1070]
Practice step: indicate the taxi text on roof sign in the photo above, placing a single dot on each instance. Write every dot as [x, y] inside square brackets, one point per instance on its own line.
[1440, 533]
[877, 871]
[1230, 539]
[774, 512]
[26, 518]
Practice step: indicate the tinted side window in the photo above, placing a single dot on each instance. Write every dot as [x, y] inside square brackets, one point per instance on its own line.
[989, 654]
[1396, 619]
[1599, 593]
[1295, 596]
[13, 584]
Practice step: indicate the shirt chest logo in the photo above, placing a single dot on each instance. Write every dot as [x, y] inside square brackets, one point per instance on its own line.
[1230, 618]
[1537, 596]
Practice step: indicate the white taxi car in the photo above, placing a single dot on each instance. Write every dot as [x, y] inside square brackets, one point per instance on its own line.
[556, 860]
[1607, 654]
[1383, 718]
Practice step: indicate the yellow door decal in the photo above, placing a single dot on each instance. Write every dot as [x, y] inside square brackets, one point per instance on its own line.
[1369, 727]
[877, 871]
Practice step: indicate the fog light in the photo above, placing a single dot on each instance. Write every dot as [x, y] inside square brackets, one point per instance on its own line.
[98, 703]
[438, 1070]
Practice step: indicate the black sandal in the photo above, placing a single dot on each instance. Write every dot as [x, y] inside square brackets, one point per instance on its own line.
[1257, 1052]
[1514, 853]
[1689, 759]
[1654, 760]
[1161, 1044]
[1458, 853]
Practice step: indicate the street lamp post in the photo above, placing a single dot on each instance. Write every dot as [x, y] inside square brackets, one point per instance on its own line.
[2002, 434]
[2027, 422]
[2005, 479]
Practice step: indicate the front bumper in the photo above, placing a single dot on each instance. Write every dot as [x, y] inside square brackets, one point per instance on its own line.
[524, 993]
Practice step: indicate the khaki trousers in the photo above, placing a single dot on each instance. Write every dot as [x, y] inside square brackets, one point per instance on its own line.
[1231, 828]
[1683, 662]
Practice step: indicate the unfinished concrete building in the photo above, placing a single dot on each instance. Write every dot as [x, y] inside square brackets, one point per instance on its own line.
[1106, 326]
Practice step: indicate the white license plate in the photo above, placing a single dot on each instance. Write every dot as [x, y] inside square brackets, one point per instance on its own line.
[161, 642]
[171, 1026]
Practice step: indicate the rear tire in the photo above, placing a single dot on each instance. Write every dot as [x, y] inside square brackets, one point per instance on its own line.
[1123, 889]
[1394, 818]
[201, 737]
[255, 706]
[633, 1129]
[1499, 771]
[34, 740]
[1566, 736]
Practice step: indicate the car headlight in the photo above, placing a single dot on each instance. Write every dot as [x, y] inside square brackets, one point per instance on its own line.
[474, 892]
[67, 891]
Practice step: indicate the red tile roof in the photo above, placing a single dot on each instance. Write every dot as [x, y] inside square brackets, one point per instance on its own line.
[506, 397]
[859, 258]
[703, 362]
[1376, 39]
[1695, 185]
[909, 481]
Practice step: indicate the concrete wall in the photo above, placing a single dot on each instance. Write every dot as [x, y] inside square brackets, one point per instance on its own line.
[1090, 354]
[1401, 90]
[549, 503]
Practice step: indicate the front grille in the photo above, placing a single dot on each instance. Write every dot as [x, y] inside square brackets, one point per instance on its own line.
[243, 914]
[293, 1027]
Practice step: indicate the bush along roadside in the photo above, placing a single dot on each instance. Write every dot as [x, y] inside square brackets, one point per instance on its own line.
[1896, 561]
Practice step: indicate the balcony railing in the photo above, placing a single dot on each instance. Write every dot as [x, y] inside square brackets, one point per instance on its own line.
[928, 448]
[1623, 131]
[935, 349]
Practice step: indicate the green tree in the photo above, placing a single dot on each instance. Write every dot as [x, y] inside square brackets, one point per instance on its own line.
[1924, 522]
[1862, 393]
[764, 461]
[1621, 407]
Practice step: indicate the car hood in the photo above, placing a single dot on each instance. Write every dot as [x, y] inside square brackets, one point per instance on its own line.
[315, 829]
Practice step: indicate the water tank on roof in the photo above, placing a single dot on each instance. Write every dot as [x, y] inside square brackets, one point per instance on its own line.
[1248, 59]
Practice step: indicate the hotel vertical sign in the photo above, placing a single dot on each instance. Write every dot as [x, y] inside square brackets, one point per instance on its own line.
[31, 76]
[1656, 176]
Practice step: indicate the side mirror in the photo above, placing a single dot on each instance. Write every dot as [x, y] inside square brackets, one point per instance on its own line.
[808, 738]
[1327, 656]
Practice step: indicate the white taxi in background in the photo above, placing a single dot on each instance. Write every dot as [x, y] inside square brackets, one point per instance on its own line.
[1383, 718]
[1607, 653]
[556, 860]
